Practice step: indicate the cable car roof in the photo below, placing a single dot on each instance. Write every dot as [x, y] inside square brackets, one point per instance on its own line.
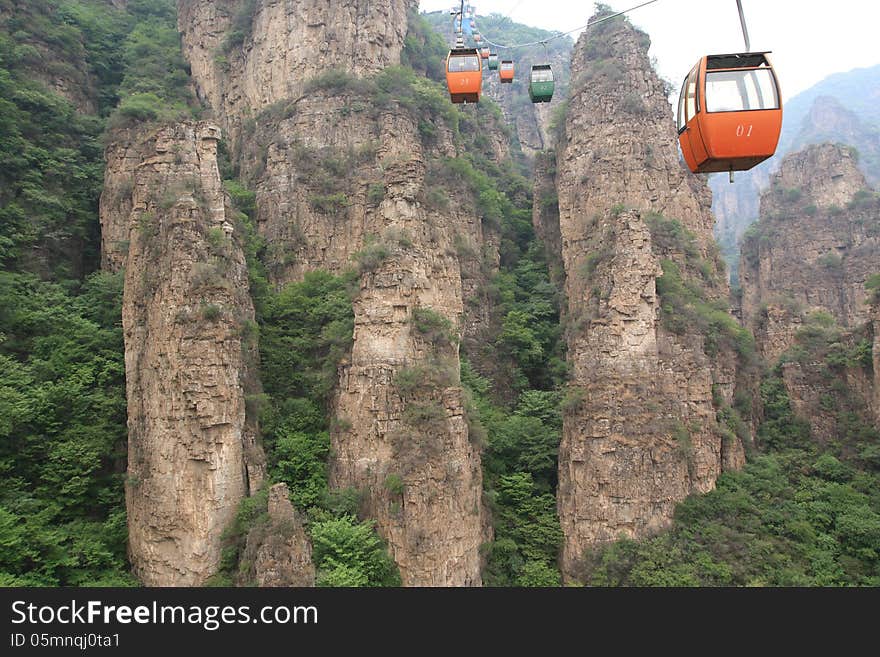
[737, 60]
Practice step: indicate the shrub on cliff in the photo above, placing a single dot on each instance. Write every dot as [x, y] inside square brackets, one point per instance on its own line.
[349, 553]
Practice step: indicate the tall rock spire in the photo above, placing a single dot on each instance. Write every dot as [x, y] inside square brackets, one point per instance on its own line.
[640, 430]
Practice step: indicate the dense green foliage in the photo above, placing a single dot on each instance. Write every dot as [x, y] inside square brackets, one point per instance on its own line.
[520, 478]
[424, 50]
[62, 386]
[50, 180]
[62, 433]
[156, 81]
[800, 514]
[517, 412]
[793, 517]
[685, 300]
[52, 153]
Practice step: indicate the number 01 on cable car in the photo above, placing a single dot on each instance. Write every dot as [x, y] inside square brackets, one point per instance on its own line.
[729, 113]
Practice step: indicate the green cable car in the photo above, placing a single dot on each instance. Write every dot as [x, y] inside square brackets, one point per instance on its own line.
[541, 84]
[493, 61]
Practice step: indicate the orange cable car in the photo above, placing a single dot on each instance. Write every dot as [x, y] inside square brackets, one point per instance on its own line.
[464, 75]
[505, 72]
[729, 113]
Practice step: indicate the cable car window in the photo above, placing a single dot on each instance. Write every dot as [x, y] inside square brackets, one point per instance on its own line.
[506, 66]
[542, 75]
[736, 91]
[691, 96]
[461, 64]
[682, 118]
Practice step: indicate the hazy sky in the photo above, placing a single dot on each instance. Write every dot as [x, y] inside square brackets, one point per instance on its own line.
[809, 39]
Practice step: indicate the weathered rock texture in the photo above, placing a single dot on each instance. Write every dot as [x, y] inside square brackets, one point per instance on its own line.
[640, 430]
[248, 54]
[192, 450]
[122, 157]
[412, 252]
[545, 214]
[343, 180]
[816, 244]
[278, 550]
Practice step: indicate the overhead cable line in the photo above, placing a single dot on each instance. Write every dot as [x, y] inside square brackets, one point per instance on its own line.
[562, 34]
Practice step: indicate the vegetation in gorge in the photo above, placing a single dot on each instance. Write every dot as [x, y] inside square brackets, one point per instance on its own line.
[304, 330]
[62, 375]
[62, 432]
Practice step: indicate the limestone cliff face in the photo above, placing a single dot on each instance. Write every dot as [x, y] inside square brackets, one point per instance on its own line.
[122, 157]
[248, 54]
[186, 310]
[412, 251]
[826, 120]
[344, 181]
[829, 121]
[815, 246]
[433, 525]
[278, 551]
[640, 430]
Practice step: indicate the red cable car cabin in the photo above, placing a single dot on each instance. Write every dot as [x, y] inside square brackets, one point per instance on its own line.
[729, 113]
[505, 72]
[464, 75]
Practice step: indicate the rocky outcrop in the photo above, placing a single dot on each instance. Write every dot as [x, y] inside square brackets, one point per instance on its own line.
[278, 550]
[122, 157]
[640, 430]
[414, 432]
[248, 54]
[829, 121]
[804, 267]
[814, 248]
[345, 177]
[401, 434]
[188, 351]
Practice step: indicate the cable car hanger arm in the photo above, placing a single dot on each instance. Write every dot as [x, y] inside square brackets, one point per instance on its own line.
[742, 21]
